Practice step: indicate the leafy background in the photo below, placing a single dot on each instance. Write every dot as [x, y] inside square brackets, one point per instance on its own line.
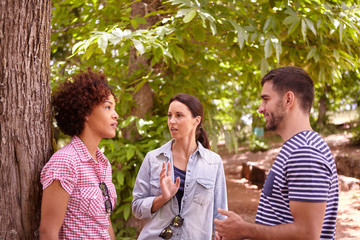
[215, 50]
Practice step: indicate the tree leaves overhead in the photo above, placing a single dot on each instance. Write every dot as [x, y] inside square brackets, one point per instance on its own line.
[216, 50]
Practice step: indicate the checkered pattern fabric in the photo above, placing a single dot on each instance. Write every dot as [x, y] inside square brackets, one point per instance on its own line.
[80, 175]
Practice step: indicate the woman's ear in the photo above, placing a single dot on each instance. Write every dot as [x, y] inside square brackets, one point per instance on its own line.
[197, 120]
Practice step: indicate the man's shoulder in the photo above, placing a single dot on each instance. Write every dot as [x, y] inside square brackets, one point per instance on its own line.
[306, 139]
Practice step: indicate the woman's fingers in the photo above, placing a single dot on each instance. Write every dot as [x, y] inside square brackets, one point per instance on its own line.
[168, 169]
[177, 183]
[163, 171]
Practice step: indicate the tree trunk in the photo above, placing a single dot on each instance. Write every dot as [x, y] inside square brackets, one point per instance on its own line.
[144, 97]
[25, 113]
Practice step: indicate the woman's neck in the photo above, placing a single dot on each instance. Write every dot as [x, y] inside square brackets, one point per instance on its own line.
[90, 142]
[184, 147]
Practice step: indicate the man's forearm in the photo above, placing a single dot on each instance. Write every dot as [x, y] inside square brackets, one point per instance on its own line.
[278, 232]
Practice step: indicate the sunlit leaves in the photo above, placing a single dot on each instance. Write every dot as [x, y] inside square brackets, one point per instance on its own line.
[216, 50]
[139, 46]
[189, 15]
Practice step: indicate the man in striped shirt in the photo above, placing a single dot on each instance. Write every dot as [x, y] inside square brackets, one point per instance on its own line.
[300, 196]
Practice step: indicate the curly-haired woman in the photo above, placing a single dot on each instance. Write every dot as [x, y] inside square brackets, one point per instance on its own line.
[79, 195]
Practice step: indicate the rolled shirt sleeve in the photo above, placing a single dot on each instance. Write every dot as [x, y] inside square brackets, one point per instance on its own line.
[142, 200]
[62, 167]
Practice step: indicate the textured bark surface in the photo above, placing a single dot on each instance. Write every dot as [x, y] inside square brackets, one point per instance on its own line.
[25, 113]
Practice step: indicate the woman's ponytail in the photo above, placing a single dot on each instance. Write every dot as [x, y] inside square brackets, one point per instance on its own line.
[202, 137]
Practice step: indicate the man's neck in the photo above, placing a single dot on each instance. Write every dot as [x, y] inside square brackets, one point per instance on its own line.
[294, 124]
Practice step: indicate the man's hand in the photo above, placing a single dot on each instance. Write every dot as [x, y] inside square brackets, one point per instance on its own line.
[231, 228]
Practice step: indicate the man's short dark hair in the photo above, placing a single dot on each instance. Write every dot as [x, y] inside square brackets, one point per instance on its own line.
[293, 79]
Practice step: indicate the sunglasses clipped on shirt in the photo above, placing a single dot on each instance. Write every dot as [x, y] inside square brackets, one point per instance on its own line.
[168, 232]
[105, 193]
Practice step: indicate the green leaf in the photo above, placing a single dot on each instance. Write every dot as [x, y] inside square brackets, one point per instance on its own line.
[268, 48]
[267, 23]
[213, 27]
[303, 29]
[89, 51]
[290, 19]
[130, 153]
[310, 24]
[341, 31]
[139, 46]
[336, 55]
[182, 12]
[120, 177]
[264, 66]
[126, 210]
[78, 46]
[133, 23]
[311, 53]
[103, 42]
[189, 16]
[294, 26]
[127, 121]
[178, 53]
[278, 49]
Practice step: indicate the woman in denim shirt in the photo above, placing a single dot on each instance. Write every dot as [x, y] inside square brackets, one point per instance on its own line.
[181, 185]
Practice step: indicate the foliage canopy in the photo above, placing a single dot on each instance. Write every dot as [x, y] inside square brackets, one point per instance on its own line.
[216, 50]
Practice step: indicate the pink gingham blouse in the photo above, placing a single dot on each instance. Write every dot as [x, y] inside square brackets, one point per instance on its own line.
[80, 175]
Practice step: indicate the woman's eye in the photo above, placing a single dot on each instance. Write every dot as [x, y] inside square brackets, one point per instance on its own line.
[108, 107]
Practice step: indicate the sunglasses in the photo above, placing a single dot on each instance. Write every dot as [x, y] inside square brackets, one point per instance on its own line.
[105, 193]
[167, 232]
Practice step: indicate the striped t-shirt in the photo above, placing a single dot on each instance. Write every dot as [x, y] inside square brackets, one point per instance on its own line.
[305, 171]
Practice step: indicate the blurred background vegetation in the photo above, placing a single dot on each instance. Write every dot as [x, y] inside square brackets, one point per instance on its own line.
[216, 50]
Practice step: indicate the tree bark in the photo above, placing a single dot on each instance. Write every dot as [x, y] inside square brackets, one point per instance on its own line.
[144, 96]
[25, 113]
[322, 112]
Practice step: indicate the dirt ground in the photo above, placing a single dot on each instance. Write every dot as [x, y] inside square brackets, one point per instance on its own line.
[243, 197]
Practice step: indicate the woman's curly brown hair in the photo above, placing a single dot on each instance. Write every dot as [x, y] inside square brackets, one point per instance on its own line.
[74, 100]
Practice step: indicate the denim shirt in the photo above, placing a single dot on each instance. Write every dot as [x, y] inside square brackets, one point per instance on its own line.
[204, 193]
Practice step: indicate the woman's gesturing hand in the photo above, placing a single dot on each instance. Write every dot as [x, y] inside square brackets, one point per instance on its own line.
[168, 187]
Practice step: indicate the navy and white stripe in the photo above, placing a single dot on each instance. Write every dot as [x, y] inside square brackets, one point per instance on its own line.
[305, 171]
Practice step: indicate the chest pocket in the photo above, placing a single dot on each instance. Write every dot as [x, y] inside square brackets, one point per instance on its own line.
[155, 187]
[204, 191]
[92, 202]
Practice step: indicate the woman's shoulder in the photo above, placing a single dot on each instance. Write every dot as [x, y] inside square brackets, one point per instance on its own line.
[66, 154]
[210, 155]
[162, 150]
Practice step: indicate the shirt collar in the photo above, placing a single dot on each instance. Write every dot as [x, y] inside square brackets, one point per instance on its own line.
[166, 149]
[84, 153]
